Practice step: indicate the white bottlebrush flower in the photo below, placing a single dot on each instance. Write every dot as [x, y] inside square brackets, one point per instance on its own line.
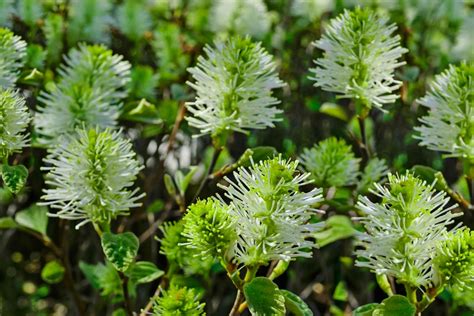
[90, 177]
[14, 119]
[271, 215]
[134, 19]
[311, 9]
[93, 83]
[89, 21]
[12, 57]
[6, 12]
[360, 57]
[331, 162]
[243, 17]
[404, 229]
[448, 127]
[234, 88]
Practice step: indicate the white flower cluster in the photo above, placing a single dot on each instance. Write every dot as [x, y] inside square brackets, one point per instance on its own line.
[14, 119]
[360, 57]
[244, 17]
[234, 88]
[271, 216]
[404, 229]
[93, 82]
[90, 176]
[311, 9]
[448, 127]
[12, 56]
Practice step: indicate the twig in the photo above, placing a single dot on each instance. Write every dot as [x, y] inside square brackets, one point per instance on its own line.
[364, 145]
[177, 123]
[235, 308]
[126, 295]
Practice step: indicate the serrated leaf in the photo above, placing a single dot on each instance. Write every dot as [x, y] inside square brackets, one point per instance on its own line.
[144, 272]
[295, 304]
[335, 228]
[35, 218]
[120, 249]
[334, 110]
[53, 272]
[7, 223]
[365, 310]
[264, 298]
[14, 177]
[396, 305]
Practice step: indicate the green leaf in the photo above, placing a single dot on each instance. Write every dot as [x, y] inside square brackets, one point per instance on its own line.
[335, 228]
[295, 304]
[264, 298]
[334, 110]
[182, 182]
[144, 272]
[7, 223]
[119, 312]
[257, 154]
[143, 112]
[365, 310]
[92, 272]
[430, 175]
[53, 272]
[169, 185]
[35, 218]
[14, 177]
[396, 305]
[340, 293]
[120, 249]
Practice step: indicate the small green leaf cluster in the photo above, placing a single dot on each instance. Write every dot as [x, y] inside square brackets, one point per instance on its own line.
[178, 301]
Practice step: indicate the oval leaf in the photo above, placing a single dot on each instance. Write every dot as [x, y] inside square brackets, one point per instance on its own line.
[53, 272]
[365, 310]
[35, 218]
[396, 305]
[264, 298]
[120, 249]
[144, 272]
[7, 222]
[295, 304]
[14, 177]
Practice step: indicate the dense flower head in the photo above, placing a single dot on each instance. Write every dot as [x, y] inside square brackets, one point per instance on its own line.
[208, 228]
[178, 301]
[449, 125]
[93, 83]
[12, 57]
[403, 229]
[271, 214]
[331, 162]
[311, 9]
[360, 57]
[14, 119]
[244, 17]
[179, 254]
[90, 177]
[234, 88]
[89, 21]
[454, 260]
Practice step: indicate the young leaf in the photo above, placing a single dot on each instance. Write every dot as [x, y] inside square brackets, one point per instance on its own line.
[53, 272]
[335, 228]
[144, 272]
[120, 249]
[365, 310]
[340, 293]
[92, 272]
[264, 298]
[396, 305]
[7, 223]
[14, 177]
[295, 304]
[35, 218]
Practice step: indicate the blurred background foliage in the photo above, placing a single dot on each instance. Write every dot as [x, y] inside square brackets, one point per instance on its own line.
[161, 38]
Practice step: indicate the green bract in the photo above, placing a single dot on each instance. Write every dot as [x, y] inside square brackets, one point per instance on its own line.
[178, 301]
[331, 162]
[14, 119]
[360, 58]
[403, 229]
[208, 228]
[449, 125]
[12, 57]
[234, 89]
[93, 83]
[90, 177]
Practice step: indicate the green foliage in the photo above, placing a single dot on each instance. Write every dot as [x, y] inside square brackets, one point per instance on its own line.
[34, 218]
[53, 272]
[120, 249]
[295, 305]
[178, 301]
[396, 305]
[14, 177]
[264, 297]
[335, 228]
[144, 272]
